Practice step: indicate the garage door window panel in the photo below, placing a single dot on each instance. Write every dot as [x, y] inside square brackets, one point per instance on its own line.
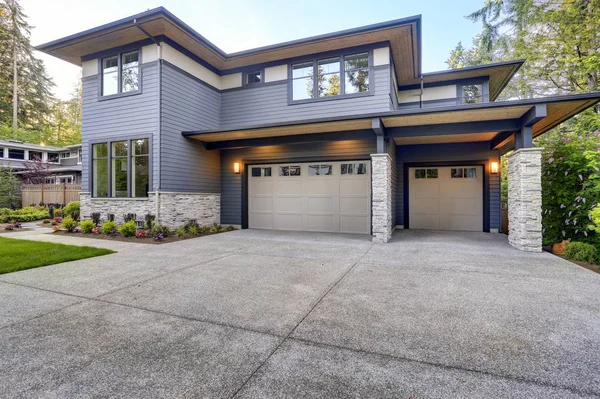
[320, 170]
[261, 172]
[353, 169]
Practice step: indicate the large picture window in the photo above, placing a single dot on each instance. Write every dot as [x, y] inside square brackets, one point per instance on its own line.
[128, 172]
[121, 73]
[330, 77]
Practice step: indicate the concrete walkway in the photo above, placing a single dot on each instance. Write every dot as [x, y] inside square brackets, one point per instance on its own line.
[254, 314]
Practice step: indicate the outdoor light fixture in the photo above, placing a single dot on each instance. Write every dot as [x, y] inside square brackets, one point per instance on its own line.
[494, 167]
[236, 168]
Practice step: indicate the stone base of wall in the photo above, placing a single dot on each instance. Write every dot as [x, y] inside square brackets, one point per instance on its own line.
[525, 199]
[381, 192]
[175, 209]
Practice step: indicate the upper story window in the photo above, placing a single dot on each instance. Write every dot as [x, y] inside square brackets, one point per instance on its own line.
[53, 157]
[33, 155]
[253, 77]
[121, 73]
[79, 156]
[1, 152]
[472, 94]
[14, 153]
[330, 77]
[65, 155]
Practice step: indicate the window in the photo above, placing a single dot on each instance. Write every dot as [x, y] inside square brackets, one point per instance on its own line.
[15, 153]
[353, 168]
[320, 170]
[65, 155]
[79, 156]
[356, 73]
[128, 172]
[472, 94]
[1, 152]
[261, 172]
[53, 157]
[329, 81]
[33, 155]
[426, 173]
[459, 173]
[253, 77]
[289, 171]
[121, 73]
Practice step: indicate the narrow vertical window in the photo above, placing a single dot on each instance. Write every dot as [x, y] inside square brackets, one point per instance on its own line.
[356, 73]
[119, 169]
[302, 81]
[110, 76]
[100, 170]
[140, 170]
[130, 72]
[328, 77]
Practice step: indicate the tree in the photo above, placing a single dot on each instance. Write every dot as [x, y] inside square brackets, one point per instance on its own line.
[9, 189]
[34, 85]
[36, 171]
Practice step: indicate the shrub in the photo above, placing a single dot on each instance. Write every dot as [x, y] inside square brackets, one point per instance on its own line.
[581, 251]
[149, 221]
[204, 230]
[128, 217]
[27, 214]
[214, 228]
[69, 224]
[9, 227]
[230, 228]
[595, 218]
[159, 237]
[128, 229]
[180, 232]
[57, 219]
[46, 221]
[54, 223]
[109, 227]
[71, 208]
[162, 229]
[87, 226]
[95, 218]
[140, 233]
[58, 212]
[96, 230]
[193, 229]
[191, 225]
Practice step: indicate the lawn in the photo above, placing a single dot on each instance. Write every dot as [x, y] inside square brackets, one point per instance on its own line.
[18, 255]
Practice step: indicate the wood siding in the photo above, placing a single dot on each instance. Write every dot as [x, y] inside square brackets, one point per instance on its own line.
[231, 183]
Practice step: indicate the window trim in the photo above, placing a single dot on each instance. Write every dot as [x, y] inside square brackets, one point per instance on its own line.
[119, 55]
[253, 84]
[337, 54]
[25, 156]
[485, 90]
[109, 141]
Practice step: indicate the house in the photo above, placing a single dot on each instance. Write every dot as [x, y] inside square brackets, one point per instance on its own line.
[341, 132]
[63, 163]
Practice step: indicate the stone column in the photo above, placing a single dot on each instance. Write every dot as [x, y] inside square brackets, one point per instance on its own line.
[381, 192]
[525, 199]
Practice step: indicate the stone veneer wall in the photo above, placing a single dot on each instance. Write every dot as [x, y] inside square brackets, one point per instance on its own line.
[525, 199]
[175, 208]
[381, 191]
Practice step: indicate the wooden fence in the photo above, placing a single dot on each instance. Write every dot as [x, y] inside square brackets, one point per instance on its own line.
[49, 193]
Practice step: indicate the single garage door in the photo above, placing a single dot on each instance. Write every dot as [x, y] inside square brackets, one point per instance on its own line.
[317, 196]
[449, 198]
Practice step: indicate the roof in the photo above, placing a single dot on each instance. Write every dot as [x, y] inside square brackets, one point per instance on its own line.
[559, 109]
[403, 35]
[499, 74]
[30, 146]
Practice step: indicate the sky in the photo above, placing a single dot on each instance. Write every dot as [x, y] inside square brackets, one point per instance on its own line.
[236, 25]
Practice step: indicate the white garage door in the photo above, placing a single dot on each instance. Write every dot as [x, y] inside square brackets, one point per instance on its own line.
[449, 198]
[323, 196]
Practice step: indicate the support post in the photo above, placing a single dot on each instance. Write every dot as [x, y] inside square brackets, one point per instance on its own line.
[381, 192]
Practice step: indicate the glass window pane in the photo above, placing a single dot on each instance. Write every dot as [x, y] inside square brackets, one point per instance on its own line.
[255, 172]
[110, 76]
[302, 88]
[130, 73]
[267, 172]
[361, 169]
[456, 173]
[284, 171]
[35, 154]
[432, 173]
[130, 60]
[119, 177]
[100, 178]
[140, 174]
[254, 77]
[420, 174]
[140, 147]
[471, 173]
[15, 153]
[99, 150]
[326, 170]
[302, 70]
[294, 170]
[53, 157]
[329, 85]
[357, 81]
[472, 94]
[330, 65]
[356, 61]
[344, 169]
[314, 170]
[119, 149]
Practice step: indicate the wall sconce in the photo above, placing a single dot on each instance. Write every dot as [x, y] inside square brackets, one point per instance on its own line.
[236, 168]
[494, 167]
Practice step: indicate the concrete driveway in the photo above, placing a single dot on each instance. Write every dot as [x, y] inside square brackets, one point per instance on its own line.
[254, 314]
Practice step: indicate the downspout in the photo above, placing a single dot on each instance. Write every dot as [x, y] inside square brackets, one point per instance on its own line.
[421, 95]
[159, 128]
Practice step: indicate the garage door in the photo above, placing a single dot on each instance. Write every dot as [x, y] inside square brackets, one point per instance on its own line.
[323, 196]
[449, 198]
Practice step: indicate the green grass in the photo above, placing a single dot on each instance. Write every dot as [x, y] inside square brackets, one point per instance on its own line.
[18, 255]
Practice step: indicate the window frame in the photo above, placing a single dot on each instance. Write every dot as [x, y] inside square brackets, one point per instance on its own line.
[109, 142]
[119, 55]
[314, 59]
[485, 95]
[245, 75]
[57, 158]
[35, 152]
[25, 157]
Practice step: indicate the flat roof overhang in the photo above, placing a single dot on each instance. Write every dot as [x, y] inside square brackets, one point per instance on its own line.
[403, 35]
[493, 122]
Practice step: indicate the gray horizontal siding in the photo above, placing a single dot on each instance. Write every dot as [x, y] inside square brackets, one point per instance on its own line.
[448, 102]
[231, 183]
[269, 103]
[448, 153]
[187, 104]
[120, 117]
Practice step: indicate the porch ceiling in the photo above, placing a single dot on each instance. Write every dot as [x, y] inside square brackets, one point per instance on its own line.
[446, 138]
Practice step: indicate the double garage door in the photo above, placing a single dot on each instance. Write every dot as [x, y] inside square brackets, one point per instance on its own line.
[316, 196]
[448, 198]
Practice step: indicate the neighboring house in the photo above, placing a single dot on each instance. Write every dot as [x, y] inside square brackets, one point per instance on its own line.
[341, 132]
[64, 163]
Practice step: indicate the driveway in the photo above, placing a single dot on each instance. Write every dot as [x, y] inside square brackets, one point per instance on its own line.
[254, 314]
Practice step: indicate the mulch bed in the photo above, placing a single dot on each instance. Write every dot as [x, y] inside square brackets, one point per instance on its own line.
[143, 240]
[589, 266]
[3, 225]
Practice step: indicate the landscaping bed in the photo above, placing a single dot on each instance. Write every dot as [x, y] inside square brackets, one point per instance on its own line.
[589, 266]
[25, 254]
[139, 240]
